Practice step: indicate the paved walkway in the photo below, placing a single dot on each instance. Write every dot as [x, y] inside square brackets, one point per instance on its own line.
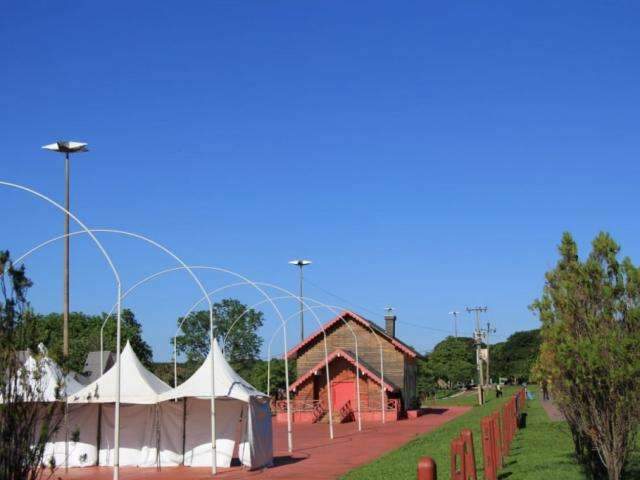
[554, 413]
[315, 456]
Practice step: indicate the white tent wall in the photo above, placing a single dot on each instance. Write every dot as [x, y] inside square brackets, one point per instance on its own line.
[256, 448]
[198, 438]
[82, 424]
[137, 435]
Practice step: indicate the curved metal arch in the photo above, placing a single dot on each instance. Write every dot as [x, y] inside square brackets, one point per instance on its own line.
[324, 333]
[335, 309]
[116, 440]
[198, 283]
[326, 351]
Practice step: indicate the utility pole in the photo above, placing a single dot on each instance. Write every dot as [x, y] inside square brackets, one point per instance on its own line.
[478, 339]
[455, 322]
[489, 331]
[301, 263]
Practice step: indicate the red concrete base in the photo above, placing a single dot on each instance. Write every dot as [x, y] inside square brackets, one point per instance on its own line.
[315, 455]
[414, 413]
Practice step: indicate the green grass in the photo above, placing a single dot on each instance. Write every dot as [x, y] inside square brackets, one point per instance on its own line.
[543, 450]
[402, 463]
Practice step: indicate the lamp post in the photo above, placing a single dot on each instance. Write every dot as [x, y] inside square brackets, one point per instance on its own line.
[455, 322]
[67, 148]
[301, 263]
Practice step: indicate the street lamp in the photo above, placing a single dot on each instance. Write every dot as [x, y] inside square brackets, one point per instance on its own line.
[301, 263]
[455, 314]
[67, 148]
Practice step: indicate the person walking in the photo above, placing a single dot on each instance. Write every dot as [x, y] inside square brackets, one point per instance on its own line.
[545, 390]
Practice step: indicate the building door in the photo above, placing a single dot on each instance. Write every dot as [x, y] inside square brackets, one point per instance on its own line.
[341, 393]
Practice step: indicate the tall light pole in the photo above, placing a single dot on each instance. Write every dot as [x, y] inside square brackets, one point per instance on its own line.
[455, 322]
[478, 339]
[301, 263]
[67, 148]
[489, 331]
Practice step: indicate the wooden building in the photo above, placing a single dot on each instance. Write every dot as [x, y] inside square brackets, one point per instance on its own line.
[397, 373]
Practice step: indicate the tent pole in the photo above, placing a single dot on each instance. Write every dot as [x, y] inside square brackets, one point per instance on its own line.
[99, 434]
[184, 427]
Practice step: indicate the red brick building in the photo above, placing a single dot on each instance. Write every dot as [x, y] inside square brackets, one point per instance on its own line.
[309, 391]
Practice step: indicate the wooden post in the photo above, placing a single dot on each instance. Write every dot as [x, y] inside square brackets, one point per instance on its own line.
[469, 455]
[457, 459]
[488, 452]
[427, 469]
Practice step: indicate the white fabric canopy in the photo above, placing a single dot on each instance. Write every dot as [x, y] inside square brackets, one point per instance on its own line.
[137, 384]
[228, 383]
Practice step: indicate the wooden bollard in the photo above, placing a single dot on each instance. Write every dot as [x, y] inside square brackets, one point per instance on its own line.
[457, 459]
[470, 471]
[427, 469]
[488, 453]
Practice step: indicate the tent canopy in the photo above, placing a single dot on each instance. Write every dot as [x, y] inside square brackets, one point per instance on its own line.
[137, 384]
[228, 383]
[46, 378]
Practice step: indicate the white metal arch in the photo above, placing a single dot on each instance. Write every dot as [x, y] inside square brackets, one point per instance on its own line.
[200, 286]
[116, 440]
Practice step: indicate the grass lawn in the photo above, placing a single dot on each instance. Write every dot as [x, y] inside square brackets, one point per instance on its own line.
[402, 463]
[543, 450]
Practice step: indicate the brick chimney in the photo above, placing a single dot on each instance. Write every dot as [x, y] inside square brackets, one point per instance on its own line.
[390, 323]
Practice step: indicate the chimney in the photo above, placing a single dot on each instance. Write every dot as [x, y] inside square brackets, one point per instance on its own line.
[390, 322]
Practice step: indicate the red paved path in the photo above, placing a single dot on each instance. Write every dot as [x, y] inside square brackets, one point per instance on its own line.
[315, 456]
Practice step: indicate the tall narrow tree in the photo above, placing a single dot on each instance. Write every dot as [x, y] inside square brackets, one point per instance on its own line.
[590, 313]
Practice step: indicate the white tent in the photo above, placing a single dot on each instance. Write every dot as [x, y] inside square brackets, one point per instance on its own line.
[139, 413]
[242, 417]
[47, 379]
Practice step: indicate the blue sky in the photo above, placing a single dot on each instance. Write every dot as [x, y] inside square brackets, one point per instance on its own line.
[425, 155]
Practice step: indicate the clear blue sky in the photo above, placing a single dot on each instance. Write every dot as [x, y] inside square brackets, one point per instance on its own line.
[425, 155]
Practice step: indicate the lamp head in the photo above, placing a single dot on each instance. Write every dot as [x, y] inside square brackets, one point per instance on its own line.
[67, 147]
[300, 262]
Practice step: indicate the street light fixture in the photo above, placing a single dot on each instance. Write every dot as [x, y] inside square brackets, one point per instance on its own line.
[455, 314]
[67, 148]
[301, 263]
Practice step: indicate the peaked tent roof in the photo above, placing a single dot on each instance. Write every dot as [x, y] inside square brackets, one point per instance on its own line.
[137, 384]
[403, 347]
[349, 357]
[228, 383]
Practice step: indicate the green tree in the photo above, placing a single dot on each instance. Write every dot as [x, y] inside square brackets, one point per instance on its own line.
[242, 344]
[84, 335]
[590, 314]
[515, 357]
[26, 423]
[453, 360]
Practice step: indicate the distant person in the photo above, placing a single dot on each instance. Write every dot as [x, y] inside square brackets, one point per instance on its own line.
[545, 390]
[498, 391]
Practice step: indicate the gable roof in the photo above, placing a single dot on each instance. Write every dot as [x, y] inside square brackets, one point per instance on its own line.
[349, 357]
[403, 347]
[92, 366]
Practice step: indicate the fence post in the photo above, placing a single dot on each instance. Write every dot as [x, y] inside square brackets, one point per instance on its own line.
[427, 469]
[505, 433]
[470, 471]
[457, 460]
[488, 452]
[498, 439]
